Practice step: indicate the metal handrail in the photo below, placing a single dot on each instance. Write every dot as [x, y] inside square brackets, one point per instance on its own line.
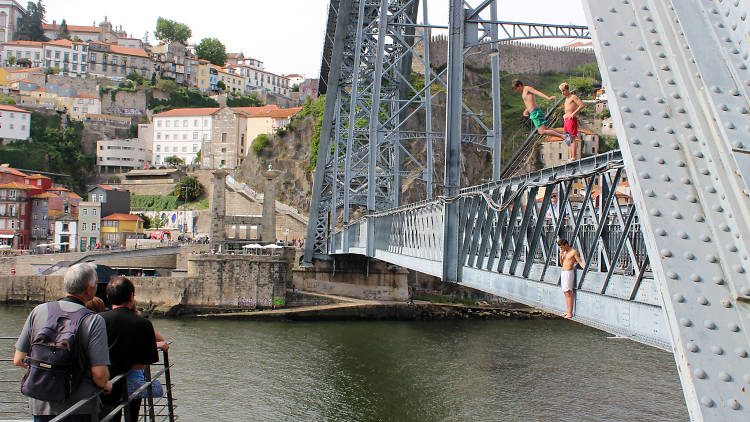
[150, 403]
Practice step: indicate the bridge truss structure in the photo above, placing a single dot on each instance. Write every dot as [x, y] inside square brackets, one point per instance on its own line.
[666, 255]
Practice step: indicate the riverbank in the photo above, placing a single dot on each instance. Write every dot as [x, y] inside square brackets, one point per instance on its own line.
[330, 307]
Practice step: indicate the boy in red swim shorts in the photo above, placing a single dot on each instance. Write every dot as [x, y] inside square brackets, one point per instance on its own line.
[573, 106]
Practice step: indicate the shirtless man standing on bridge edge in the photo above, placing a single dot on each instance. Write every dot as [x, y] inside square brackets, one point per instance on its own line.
[568, 258]
[573, 106]
[533, 111]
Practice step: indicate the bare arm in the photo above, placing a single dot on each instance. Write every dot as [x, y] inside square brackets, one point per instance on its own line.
[539, 93]
[161, 342]
[18, 358]
[577, 101]
[100, 376]
[579, 260]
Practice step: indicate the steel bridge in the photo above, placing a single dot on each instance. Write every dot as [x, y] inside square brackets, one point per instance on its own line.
[666, 254]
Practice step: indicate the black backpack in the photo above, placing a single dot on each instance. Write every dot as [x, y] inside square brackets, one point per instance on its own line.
[52, 372]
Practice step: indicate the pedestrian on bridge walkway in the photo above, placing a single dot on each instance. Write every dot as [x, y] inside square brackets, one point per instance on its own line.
[568, 259]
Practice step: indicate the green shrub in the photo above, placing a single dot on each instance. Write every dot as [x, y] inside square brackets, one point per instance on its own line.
[153, 202]
[260, 143]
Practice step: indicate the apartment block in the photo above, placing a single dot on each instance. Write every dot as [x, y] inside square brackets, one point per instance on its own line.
[121, 155]
[15, 123]
[181, 132]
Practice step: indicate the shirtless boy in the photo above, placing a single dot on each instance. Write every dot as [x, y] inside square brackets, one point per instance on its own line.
[568, 258]
[573, 106]
[533, 111]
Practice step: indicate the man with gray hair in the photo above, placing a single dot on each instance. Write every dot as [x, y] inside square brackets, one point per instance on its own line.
[90, 351]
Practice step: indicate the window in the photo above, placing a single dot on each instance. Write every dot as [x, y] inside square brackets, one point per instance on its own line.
[158, 135]
[184, 123]
[223, 136]
[166, 123]
[157, 158]
[83, 226]
[184, 149]
[84, 211]
[184, 136]
[12, 225]
[93, 226]
[223, 150]
[195, 136]
[158, 123]
[158, 148]
[166, 136]
[195, 148]
[12, 194]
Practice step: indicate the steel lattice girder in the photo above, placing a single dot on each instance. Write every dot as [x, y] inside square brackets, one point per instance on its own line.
[677, 76]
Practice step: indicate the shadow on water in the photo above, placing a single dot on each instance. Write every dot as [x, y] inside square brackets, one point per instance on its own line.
[429, 371]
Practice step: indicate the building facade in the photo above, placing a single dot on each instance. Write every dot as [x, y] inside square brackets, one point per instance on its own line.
[89, 225]
[112, 199]
[554, 151]
[15, 215]
[10, 12]
[104, 32]
[181, 132]
[265, 120]
[120, 155]
[225, 148]
[118, 228]
[15, 123]
[65, 237]
[116, 62]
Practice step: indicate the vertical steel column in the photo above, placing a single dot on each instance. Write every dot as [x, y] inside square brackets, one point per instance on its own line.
[372, 180]
[427, 37]
[353, 102]
[497, 125]
[335, 184]
[453, 108]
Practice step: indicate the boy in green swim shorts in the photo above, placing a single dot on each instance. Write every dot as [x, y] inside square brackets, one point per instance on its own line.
[535, 113]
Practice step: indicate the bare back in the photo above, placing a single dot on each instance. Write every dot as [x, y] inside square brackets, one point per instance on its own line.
[569, 259]
[529, 98]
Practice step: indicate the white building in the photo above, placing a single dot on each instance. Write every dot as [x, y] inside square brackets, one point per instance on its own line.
[119, 155]
[15, 123]
[66, 234]
[295, 79]
[69, 56]
[31, 50]
[10, 12]
[180, 132]
[259, 80]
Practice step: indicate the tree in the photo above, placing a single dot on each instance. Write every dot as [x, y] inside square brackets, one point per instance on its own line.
[242, 101]
[153, 79]
[158, 221]
[11, 60]
[213, 50]
[62, 31]
[170, 31]
[132, 131]
[166, 85]
[295, 88]
[197, 158]
[137, 78]
[30, 24]
[147, 223]
[174, 161]
[24, 62]
[188, 186]
[260, 143]
[221, 85]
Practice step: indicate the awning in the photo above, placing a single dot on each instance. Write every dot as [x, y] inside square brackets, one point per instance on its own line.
[7, 236]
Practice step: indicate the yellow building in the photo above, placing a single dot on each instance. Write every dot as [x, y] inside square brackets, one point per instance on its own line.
[233, 83]
[265, 120]
[117, 228]
[204, 76]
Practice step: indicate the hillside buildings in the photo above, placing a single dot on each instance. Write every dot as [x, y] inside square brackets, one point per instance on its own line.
[181, 132]
[89, 225]
[554, 151]
[121, 155]
[104, 32]
[15, 123]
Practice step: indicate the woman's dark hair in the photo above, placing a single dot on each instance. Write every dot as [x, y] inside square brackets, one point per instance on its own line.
[119, 290]
[561, 242]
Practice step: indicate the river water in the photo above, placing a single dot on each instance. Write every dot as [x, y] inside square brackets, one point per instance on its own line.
[538, 370]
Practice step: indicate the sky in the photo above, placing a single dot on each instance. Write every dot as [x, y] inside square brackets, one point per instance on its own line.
[287, 35]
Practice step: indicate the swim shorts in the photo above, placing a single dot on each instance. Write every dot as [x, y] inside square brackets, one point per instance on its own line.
[567, 279]
[570, 126]
[537, 117]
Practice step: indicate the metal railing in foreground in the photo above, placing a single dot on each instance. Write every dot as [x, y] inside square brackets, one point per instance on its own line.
[14, 405]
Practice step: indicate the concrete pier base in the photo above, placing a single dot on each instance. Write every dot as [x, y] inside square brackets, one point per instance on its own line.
[354, 276]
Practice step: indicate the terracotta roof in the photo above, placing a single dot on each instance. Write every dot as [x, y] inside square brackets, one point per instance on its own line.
[121, 217]
[28, 69]
[105, 187]
[11, 170]
[45, 195]
[16, 185]
[206, 111]
[128, 51]
[58, 189]
[37, 176]
[71, 28]
[25, 43]
[86, 96]
[280, 113]
[74, 195]
[293, 75]
[11, 108]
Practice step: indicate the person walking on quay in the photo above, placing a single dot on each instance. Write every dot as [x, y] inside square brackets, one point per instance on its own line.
[85, 336]
[573, 106]
[568, 259]
[132, 342]
[532, 110]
